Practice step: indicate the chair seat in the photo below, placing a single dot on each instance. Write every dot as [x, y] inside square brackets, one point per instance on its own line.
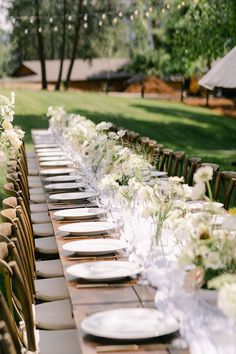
[35, 184]
[36, 190]
[43, 230]
[30, 154]
[46, 245]
[38, 208]
[52, 289]
[37, 198]
[40, 218]
[49, 269]
[54, 315]
[33, 171]
[59, 342]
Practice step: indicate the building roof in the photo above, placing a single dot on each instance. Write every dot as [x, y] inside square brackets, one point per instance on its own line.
[94, 69]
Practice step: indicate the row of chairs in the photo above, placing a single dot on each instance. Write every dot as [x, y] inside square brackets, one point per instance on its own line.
[35, 310]
[176, 163]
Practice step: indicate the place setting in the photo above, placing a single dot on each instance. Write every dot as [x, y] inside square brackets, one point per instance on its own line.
[67, 186]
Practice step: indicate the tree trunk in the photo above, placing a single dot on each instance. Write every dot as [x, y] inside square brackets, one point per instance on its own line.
[52, 41]
[63, 45]
[142, 86]
[182, 90]
[41, 53]
[75, 43]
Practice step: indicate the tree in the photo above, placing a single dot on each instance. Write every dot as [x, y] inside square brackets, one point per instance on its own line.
[63, 44]
[75, 42]
[41, 52]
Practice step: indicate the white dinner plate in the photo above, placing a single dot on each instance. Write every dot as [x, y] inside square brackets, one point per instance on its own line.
[51, 158]
[56, 171]
[55, 163]
[79, 213]
[94, 247]
[46, 146]
[87, 228]
[104, 270]
[71, 196]
[63, 186]
[52, 154]
[63, 178]
[130, 324]
[158, 173]
[40, 150]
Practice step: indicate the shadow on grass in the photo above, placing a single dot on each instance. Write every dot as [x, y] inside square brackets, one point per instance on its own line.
[188, 134]
[28, 122]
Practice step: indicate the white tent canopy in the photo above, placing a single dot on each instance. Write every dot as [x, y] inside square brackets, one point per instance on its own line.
[223, 73]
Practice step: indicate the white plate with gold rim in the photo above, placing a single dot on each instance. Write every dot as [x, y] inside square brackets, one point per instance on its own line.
[95, 246]
[104, 270]
[130, 324]
[79, 213]
[87, 228]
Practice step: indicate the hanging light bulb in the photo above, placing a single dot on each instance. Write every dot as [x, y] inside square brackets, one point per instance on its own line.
[51, 20]
[120, 14]
[115, 20]
[85, 25]
[40, 30]
[147, 14]
[183, 3]
[131, 17]
[13, 20]
[85, 17]
[150, 9]
[179, 6]
[104, 16]
[163, 10]
[69, 27]
[136, 12]
[31, 20]
[168, 6]
[69, 18]
[100, 23]
[26, 31]
[55, 28]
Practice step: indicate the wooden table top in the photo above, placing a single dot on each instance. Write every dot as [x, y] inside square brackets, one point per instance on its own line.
[88, 300]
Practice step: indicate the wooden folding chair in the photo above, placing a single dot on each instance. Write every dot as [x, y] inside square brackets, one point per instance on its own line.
[225, 188]
[189, 168]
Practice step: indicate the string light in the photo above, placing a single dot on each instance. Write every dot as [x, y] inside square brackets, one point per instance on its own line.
[147, 14]
[120, 14]
[136, 12]
[131, 17]
[26, 31]
[69, 27]
[150, 9]
[86, 17]
[100, 23]
[179, 6]
[40, 30]
[115, 20]
[55, 28]
[163, 10]
[168, 6]
[85, 25]
[51, 20]
[104, 16]
[31, 20]
[69, 18]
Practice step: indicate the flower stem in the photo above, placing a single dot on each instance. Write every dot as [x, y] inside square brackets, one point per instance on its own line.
[209, 190]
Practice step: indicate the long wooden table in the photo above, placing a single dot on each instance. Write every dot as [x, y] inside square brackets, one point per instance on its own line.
[86, 300]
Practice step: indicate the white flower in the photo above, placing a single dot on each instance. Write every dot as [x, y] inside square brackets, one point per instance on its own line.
[7, 125]
[213, 261]
[112, 136]
[203, 174]
[108, 181]
[120, 133]
[198, 191]
[103, 126]
[227, 300]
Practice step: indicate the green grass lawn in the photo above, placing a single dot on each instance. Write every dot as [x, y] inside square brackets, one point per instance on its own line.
[197, 131]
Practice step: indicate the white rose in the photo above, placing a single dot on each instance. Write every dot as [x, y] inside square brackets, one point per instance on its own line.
[227, 300]
[203, 174]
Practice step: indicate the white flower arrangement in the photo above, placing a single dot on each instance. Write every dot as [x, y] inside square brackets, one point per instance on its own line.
[10, 137]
